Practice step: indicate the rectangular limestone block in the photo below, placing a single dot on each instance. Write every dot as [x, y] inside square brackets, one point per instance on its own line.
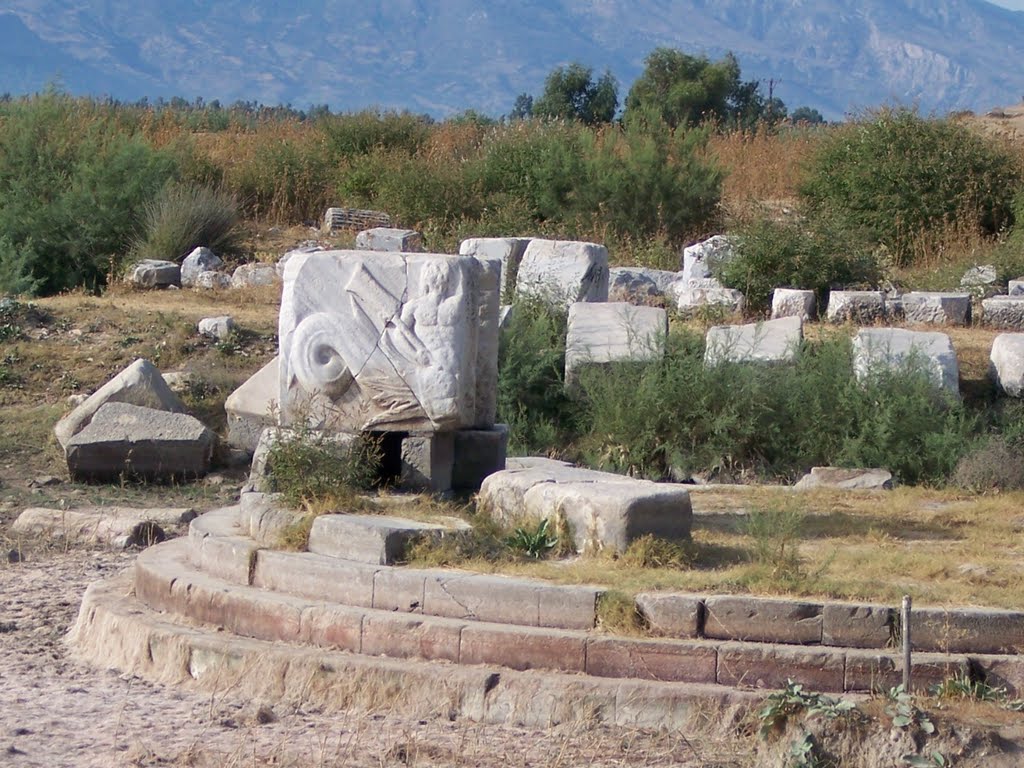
[336, 627]
[388, 342]
[397, 589]
[427, 462]
[1005, 312]
[612, 332]
[568, 607]
[852, 625]
[667, 661]
[608, 516]
[561, 272]
[930, 308]
[264, 616]
[762, 620]
[373, 539]
[480, 597]
[509, 252]
[523, 648]
[672, 615]
[880, 672]
[757, 665]
[402, 636]
[477, 454]
[315, 576]
[967, 630]
[770, 341]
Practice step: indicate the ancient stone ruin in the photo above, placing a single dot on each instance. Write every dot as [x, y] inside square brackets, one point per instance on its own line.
[397, 344]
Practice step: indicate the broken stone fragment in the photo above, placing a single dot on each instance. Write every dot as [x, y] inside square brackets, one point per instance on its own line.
[138, 384]
[123, 440]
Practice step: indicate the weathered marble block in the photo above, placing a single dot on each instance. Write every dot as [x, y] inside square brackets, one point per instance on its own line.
[253, 407]
[605, 333]
[639, 285]
[876, 349]
[699, 258]
[690, 295]
[561, 272]
[604, 512]
[793, 302]
[198, 261]
[855, 306]
[1007, 363]
[389, 342]
[927, 308]
[1004, 312]
[389, 239]
[508, 250]
[772, 341]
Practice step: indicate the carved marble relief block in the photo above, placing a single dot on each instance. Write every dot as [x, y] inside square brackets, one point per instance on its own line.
[390, 342]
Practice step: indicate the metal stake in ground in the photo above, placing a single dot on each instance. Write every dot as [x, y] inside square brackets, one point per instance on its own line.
[905, 626]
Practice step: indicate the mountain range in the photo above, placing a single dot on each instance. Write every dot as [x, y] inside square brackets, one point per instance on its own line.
[445, 56]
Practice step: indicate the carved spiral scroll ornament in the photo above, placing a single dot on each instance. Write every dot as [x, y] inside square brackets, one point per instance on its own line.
[315, 359]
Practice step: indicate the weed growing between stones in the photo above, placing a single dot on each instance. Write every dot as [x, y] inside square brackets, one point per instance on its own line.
[617, 613]
[309, 469]
[536, 542]
[651, 551]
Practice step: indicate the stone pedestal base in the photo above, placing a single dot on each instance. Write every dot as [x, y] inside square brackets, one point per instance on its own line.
[478, 453]
[427, 461]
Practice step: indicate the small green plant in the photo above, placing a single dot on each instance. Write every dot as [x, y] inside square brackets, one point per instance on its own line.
[904, 713]
[804, 753]
[962, 686]
[793, 700]
[311, 469]
[536, 542]
[776, 533]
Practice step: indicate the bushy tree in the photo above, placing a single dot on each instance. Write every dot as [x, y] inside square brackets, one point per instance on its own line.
[73, 180]
[904, 178]
[806, 115]
[687, 89]
[571, 93]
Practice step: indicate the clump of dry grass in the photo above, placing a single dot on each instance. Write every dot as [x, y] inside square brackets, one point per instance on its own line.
[763, 165]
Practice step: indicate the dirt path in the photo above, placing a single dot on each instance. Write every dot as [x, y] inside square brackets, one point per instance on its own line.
[55, 711]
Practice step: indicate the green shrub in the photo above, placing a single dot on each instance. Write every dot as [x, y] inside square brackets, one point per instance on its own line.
[310, 468]
[415, 190]
[182, 217]
[360, 133]
[537, 164]
[73, 180]
[818, 255]
[531, 389]
[903, 178]
[678, 416]
[646, 178]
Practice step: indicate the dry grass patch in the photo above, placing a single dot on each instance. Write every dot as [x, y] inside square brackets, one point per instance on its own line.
[944, 548]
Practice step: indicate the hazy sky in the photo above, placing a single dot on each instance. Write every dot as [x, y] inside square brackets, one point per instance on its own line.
[1017, 5]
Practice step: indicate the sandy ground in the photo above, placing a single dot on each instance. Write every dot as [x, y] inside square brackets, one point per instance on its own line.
[55, 711]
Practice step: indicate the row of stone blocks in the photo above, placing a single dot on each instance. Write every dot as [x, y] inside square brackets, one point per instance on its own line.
[348, 562]
[165, 582]
[114, 630]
